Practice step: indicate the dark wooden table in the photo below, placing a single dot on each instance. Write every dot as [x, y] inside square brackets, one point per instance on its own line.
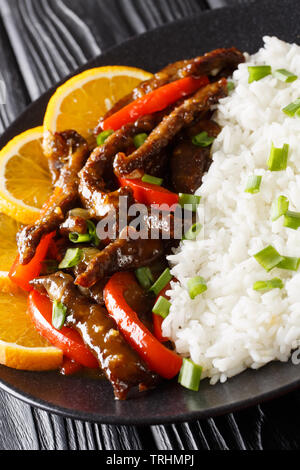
[41, 41]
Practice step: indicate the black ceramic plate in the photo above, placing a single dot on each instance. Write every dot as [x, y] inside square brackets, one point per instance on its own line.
[92, 400]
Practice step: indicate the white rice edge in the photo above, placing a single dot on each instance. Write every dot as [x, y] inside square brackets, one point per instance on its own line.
[231, 327]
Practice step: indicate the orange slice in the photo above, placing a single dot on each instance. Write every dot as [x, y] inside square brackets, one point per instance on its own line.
[80, 102]
[25, 181]
[21, 346]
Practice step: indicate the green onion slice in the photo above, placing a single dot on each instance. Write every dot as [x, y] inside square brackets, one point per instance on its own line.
[202, 139]
[274, 283]
[253, 184]
[72, 258]
[101, 138]
[162, 307]
[257, 72]
[279, 207]
[59, 311]
[278, 158]
[152, 179]
[190, 200]
[292, 220]
[192, 232]
[139, 139]
[289, 262]
[196, 286]
[285, 76]
[144, 276]
[190, 375]
[161, 282]
[268, 258]
[230, 86]
[292, 108]
[75, 237]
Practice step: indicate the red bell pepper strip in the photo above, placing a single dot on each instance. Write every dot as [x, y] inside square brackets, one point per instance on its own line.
[157, 319]
[147, 193]
[66, 339]
[158, 358]
[21, 274]
[154, 101]
[69, 366]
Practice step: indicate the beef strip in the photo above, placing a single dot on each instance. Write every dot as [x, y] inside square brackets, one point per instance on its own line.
[210, 63]
[96, 291]
[121, 254]
[97, 177]
[169, 127]
[189, 162]
[57, 149]
[64, 197]
[157, 232]
[121, 364]
[76, 221]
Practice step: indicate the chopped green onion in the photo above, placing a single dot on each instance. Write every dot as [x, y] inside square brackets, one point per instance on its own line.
[139, 139]
[196, 286]
[285, 76]
[49, 266]
[144, 276]
[202, 139]
[253, 184]
[292, 220]
[101, 138]
[72, 258]
[290, 263]
[162, 307]
[161, 282]
[190, 375]
[189, 199]
[292, 108]
[278, 158]
[257, 72]
[59, 311]
[279, 207]
[192, 232]
[230, 86]
[268, 258]
[152, 179]
[275, 283]
[75, 237]
[90, 236]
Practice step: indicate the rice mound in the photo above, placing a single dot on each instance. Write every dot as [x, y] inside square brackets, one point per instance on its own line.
[231, 326]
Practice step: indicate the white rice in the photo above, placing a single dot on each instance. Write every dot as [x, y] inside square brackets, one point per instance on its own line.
[231, 327]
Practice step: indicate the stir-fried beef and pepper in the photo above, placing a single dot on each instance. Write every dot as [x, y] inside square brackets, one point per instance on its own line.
[93, 293]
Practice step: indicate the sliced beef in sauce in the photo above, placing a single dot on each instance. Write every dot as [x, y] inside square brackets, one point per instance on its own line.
[64, 197]
[211, 63]
[169, 127]
[122, 254]
[189, 162]
[86, 187]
